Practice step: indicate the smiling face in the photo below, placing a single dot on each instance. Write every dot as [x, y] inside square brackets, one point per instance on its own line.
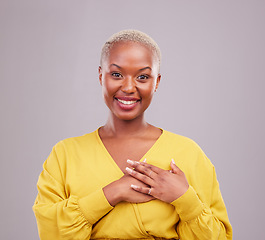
[129, 76]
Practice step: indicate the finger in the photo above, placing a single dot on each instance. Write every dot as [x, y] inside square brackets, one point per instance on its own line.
[174, 167]
[145, 190]
[134, 164]
[142, 177]
[152, 167]
[146, 170]
[149, 166]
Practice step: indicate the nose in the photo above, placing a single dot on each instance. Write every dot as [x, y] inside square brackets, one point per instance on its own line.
[128, 85]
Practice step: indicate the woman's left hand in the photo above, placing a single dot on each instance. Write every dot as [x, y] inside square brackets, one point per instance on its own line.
[165, 185]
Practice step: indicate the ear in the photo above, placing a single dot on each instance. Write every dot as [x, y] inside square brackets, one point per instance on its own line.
[100, 75]
[157, 81]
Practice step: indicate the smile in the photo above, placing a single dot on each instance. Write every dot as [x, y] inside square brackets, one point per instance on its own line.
[126, 102]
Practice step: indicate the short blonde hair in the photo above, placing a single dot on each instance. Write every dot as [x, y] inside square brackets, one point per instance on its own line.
[130, 35]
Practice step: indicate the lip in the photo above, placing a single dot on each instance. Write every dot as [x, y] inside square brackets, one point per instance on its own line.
[126, 98]
[127, 107]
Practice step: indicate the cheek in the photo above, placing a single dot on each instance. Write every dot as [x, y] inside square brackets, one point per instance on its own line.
[147, 90]
[108, 88]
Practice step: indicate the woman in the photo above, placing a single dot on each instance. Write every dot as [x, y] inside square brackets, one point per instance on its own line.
[129, 179]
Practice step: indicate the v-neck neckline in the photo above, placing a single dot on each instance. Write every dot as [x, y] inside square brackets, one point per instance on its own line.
[114, 164]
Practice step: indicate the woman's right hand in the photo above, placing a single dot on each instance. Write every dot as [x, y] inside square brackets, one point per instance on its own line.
[121, 191]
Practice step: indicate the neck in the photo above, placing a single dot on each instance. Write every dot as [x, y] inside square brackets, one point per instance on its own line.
[117, 127]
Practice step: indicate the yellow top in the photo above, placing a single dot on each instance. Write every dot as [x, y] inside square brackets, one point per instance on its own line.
[71, 204]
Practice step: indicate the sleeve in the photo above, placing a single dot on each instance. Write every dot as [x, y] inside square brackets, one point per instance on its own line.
[60, 216]
[203, 220]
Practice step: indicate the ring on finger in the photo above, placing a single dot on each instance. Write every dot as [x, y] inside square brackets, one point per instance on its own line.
[149, 192]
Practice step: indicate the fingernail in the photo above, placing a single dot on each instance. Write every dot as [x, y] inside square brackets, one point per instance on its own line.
[173, 161]
[128, 170]
[134, 186]
[130, 161]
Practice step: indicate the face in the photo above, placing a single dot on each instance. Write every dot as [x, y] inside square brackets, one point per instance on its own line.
[129, 77]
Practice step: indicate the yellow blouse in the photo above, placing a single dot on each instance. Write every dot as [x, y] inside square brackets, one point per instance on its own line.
[71, 204]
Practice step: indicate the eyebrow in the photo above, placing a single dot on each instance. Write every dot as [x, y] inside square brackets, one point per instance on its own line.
[113, 64]
[145, 68]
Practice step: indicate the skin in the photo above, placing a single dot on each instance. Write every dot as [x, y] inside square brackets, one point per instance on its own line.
[130, 73]
[173, 181]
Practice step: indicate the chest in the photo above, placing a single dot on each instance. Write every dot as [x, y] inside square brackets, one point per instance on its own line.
[133, 149]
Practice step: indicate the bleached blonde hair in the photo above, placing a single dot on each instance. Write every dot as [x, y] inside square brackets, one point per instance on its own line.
[130, 35]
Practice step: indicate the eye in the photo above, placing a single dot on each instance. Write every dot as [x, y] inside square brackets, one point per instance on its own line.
[116, 75]
[142, 77]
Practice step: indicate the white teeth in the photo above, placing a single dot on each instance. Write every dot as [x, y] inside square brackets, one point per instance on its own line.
[126, 102]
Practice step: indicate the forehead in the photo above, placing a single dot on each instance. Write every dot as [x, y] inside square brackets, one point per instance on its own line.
[130, 52]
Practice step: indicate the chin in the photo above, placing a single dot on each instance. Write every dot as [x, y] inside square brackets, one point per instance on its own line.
[127, 117]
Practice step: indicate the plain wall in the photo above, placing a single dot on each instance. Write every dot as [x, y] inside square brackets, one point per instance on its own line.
[212, 90]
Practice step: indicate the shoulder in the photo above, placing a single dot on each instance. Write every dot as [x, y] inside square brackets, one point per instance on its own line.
[180, 141]
[87, 139]
[185, 147]
[76, 145]
[69, 149]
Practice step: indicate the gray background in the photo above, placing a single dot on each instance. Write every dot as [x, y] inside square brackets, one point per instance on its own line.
[212, 90]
